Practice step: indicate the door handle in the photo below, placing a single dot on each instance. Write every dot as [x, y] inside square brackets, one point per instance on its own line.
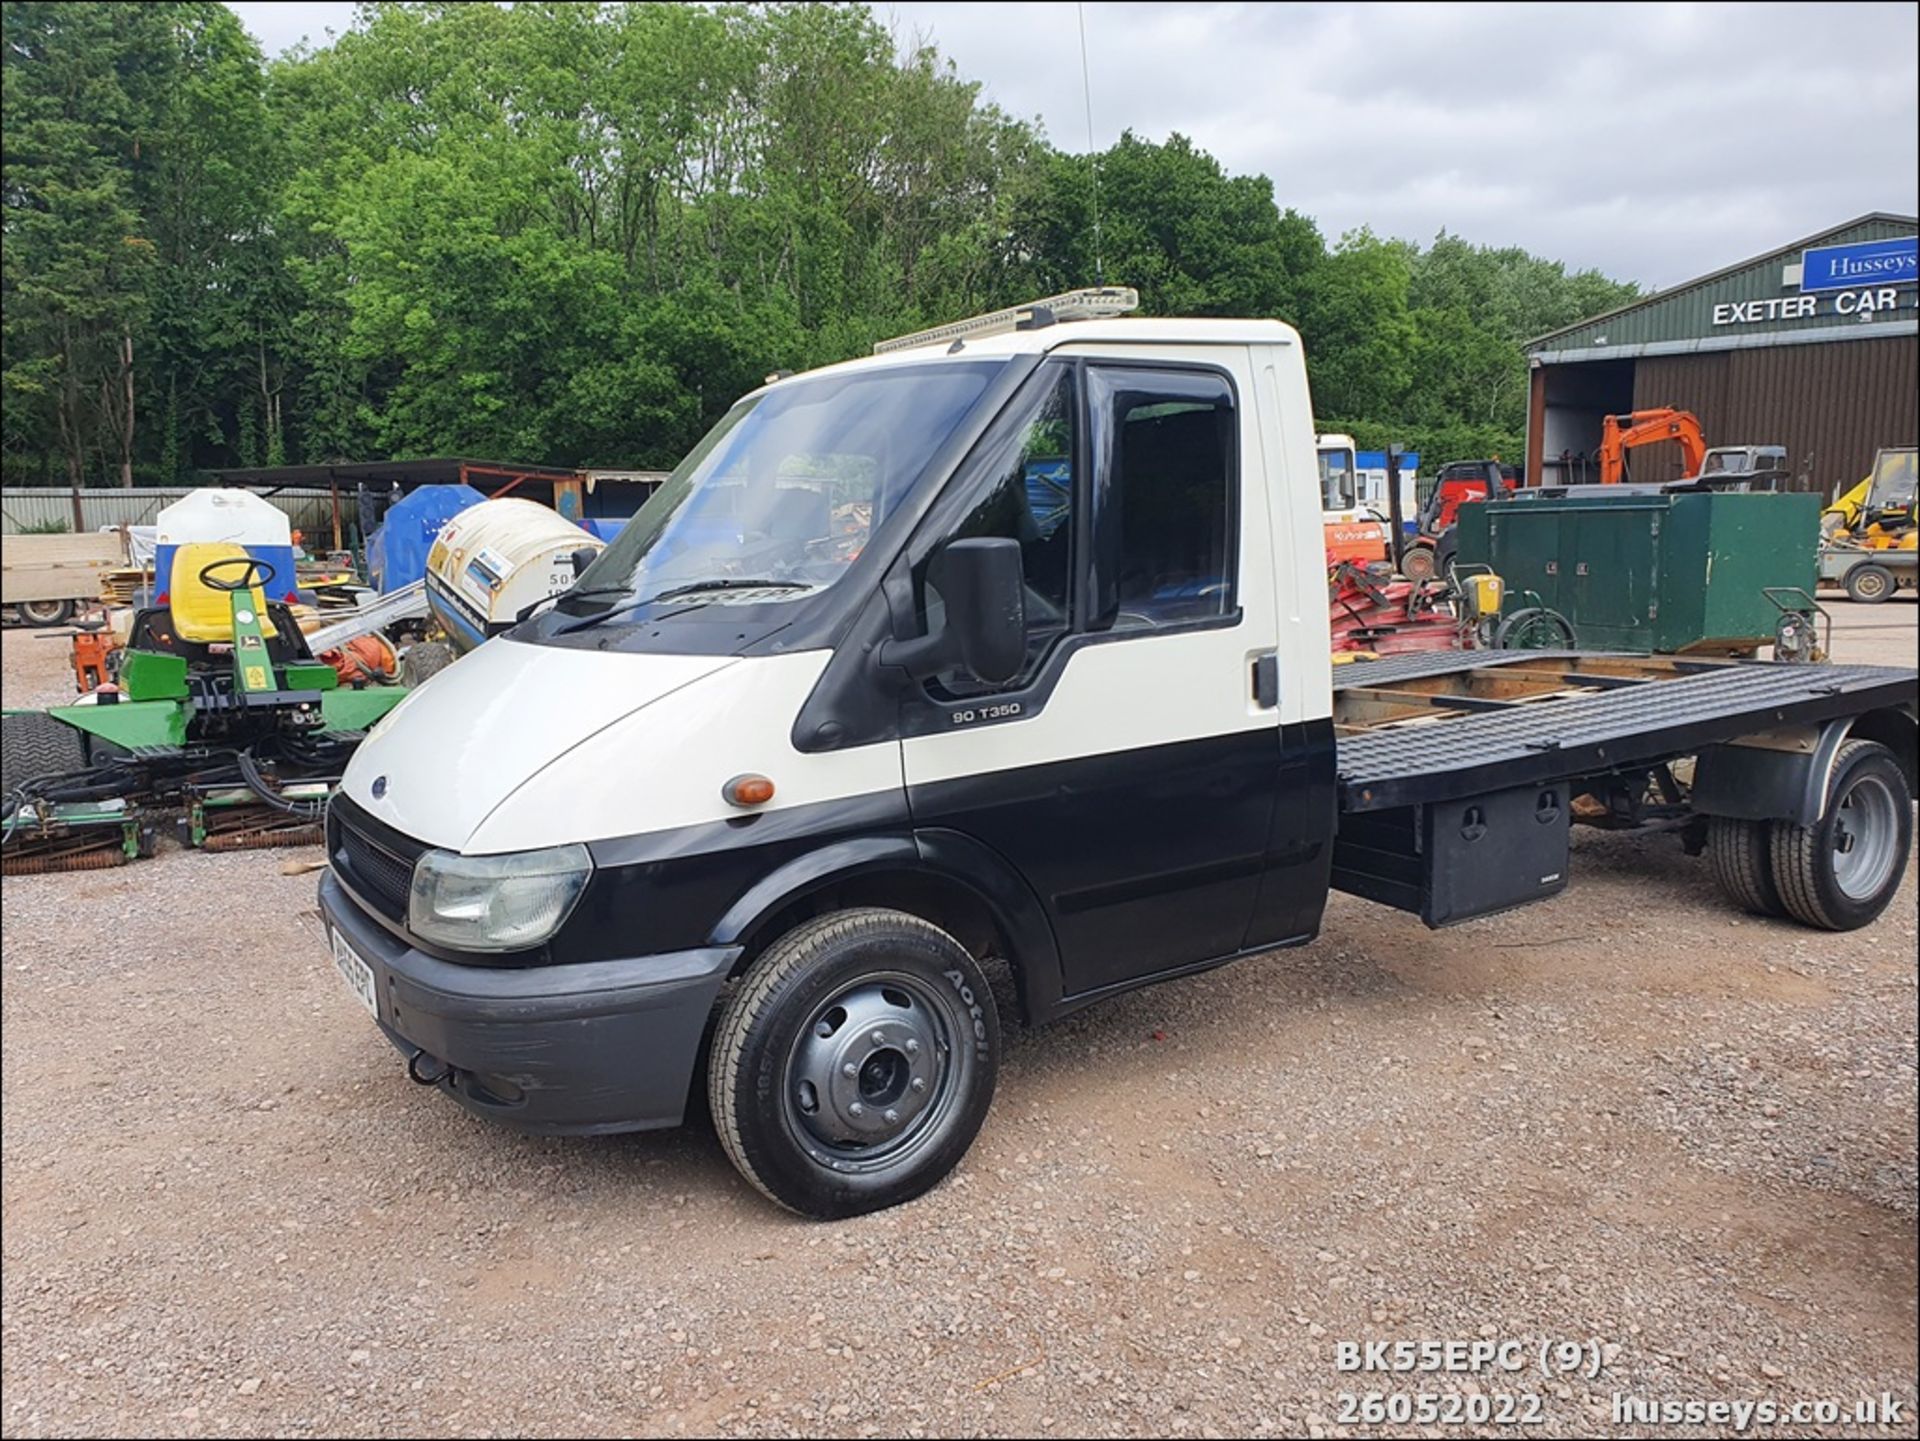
[1266, 680]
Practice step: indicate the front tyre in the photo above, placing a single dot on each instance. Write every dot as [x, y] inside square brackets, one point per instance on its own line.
[46, 612]
[855, 1064]
[1870, 584]
[1839, 873]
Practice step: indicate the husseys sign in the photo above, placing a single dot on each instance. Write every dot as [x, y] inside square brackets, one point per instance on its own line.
[1863, 280]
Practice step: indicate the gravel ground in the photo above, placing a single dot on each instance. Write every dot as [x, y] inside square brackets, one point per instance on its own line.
[1629, 1114]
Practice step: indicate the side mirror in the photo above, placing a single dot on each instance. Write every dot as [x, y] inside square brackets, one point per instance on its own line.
[582, 558]
[983, 586]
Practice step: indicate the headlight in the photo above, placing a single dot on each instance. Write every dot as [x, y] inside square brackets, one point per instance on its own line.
[495, 903]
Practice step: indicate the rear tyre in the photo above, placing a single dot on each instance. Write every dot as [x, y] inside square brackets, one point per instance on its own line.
[34, 745]
[1841, 872]
[1418, 563]
[854, 1065]
[46, 612]
[1742, 859]
[424, 661]
[1870, 583]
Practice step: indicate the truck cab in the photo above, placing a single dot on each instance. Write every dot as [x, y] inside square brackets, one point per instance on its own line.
[1021, 629]
[1744, 468]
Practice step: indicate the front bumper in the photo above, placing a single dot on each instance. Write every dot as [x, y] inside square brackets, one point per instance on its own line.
[600, 1046]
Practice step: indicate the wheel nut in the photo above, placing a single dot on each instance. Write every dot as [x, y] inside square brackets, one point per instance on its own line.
[856, 1109]
[849, 1070]
[879, 1038]
[890, 1117]
[913, 1048]
[919, 1083]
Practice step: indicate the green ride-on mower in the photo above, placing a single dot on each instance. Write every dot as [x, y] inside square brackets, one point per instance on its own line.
[219, 714]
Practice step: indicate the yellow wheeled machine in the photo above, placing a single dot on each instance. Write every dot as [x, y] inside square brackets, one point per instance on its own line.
[1870, 537]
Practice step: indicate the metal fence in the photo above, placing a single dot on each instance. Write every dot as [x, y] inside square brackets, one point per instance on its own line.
[29, 508]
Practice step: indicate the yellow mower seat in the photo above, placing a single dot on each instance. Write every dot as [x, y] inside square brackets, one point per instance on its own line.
[201, 613]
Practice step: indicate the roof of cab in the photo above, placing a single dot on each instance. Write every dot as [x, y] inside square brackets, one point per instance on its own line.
[1119, 330]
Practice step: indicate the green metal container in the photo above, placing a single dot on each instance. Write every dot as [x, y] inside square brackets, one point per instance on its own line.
[1648, 571]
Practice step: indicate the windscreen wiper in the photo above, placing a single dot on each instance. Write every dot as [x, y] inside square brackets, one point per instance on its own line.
[696, 588]
[531, 606]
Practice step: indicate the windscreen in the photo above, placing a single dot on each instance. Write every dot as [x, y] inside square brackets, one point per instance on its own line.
[786, 490]
[1894, 479]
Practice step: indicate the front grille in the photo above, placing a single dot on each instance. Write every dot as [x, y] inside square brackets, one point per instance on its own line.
[372, 871]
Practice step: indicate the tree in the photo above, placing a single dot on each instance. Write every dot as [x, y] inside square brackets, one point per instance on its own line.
[74, 263]
[1358, 331]
[577, 232]
[1173, 224]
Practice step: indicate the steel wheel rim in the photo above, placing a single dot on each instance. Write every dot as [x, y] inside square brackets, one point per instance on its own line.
[897, 1034]
[1870, 583]
[1866, 829]
[40, 610]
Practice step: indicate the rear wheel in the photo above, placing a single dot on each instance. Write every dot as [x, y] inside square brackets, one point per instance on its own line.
[855, 1064]
[34, 745]
[1742, 860]
[1839, 873]
[46, 612]
[1870, 583]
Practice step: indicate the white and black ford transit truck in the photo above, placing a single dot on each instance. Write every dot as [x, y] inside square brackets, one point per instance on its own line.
[1008, 643]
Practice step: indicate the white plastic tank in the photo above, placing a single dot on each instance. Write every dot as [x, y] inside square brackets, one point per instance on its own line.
[493, 560]
[239, 516]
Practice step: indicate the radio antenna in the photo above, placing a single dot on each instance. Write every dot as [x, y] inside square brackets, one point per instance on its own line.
[1093, 156]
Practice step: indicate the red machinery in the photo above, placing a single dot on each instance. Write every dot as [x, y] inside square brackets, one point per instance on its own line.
[1390, 617]
[1431, 551]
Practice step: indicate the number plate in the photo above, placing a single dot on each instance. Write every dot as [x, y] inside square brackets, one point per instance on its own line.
[356, 973]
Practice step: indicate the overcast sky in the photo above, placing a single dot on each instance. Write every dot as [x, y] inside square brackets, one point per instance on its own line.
[1655, 142]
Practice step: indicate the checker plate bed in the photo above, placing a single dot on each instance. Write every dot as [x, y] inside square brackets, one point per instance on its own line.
[1672, 709]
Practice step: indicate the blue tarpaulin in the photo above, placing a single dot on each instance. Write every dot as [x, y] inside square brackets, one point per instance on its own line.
[397, 554]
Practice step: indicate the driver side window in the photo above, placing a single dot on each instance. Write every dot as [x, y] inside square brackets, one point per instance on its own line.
[1026, 492]
[1165, 481]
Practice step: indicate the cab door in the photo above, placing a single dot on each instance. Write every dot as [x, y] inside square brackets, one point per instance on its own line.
[1129, 773]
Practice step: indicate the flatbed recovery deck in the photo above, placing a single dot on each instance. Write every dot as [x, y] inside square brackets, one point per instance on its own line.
[1459, 773]
[1439, 726]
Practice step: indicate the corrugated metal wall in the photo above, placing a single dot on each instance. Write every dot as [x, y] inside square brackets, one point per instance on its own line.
[24, 508]
[1831, 405]
[1686, 311]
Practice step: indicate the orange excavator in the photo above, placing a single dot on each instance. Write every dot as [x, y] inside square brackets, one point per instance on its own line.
[1621, 433]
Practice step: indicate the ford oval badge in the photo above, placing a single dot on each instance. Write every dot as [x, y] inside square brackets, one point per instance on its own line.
[379, 787]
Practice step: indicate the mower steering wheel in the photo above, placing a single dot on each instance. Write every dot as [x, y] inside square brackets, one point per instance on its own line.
[257, 572]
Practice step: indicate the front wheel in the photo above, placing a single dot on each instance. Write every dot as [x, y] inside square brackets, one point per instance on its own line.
[855, 1064]
[1839, 873]
[1418, 563]
[1870, 584]
[46, 612]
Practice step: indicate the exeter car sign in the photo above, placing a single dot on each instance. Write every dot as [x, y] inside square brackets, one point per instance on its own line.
[1870, 262]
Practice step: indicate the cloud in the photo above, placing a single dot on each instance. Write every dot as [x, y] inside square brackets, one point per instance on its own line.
[1653, 142]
